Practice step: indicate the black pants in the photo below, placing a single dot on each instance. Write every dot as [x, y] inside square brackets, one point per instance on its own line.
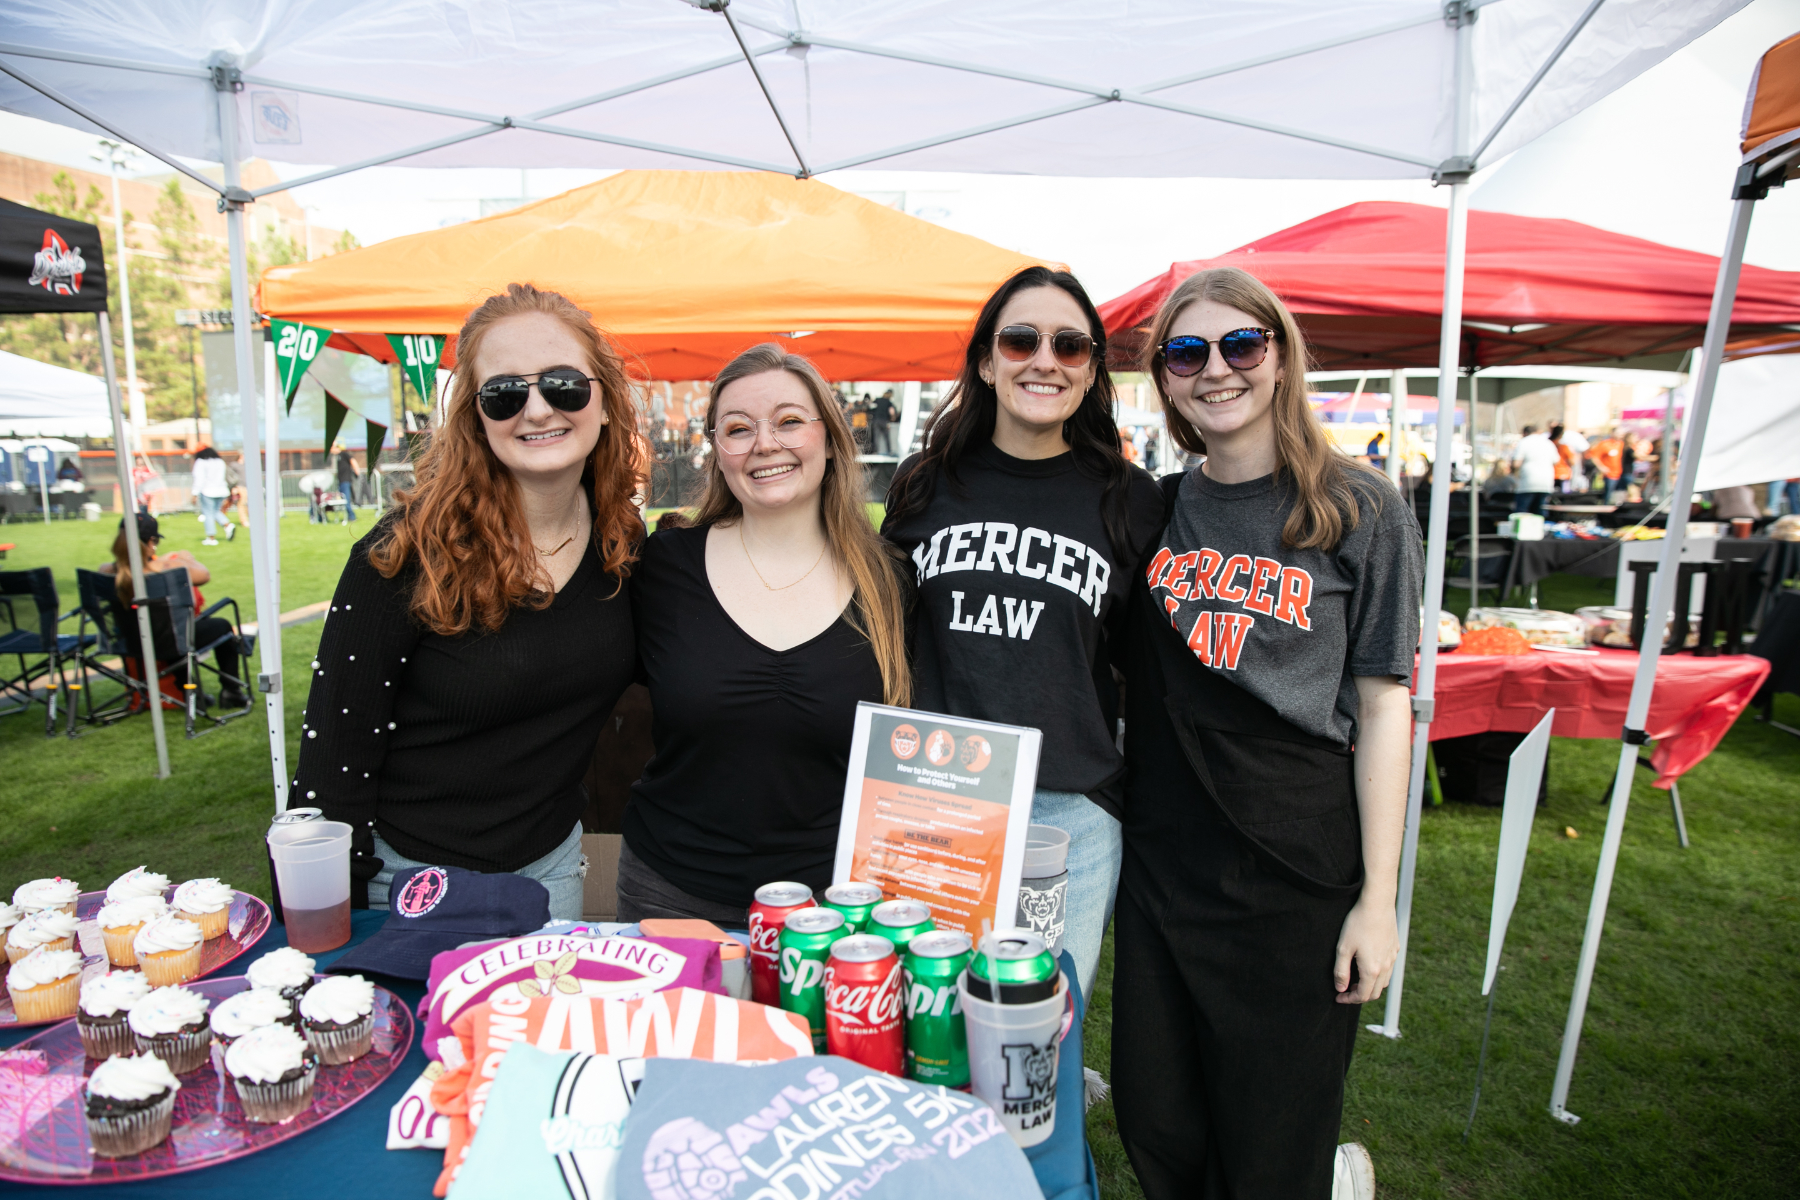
[225, 655]
[1229, 1049]
[644, 893]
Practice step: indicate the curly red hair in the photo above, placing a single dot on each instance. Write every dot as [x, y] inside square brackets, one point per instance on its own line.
[461, 528]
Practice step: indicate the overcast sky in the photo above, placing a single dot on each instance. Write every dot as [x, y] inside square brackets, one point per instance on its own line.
[1653, 160]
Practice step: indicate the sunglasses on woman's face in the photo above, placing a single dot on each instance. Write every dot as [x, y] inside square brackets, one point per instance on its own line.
[1019, 343]
[565, 389]
[1242, 350]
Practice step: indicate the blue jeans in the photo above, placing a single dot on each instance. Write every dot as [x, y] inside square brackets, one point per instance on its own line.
[1530, 502]
[345, 489]
[1096, 848]
[562, 872]
[212, 509]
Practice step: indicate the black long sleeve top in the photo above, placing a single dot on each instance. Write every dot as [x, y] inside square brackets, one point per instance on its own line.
[462, 751]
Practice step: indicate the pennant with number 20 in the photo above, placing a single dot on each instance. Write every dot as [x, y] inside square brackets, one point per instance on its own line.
[296, 346]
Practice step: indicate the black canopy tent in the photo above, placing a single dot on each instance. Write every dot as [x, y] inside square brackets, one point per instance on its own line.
[52, 264]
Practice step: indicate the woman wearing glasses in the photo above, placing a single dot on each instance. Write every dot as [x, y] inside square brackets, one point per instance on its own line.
[481, 632]
[759, 628]
[1269, 642]
[1024, 521]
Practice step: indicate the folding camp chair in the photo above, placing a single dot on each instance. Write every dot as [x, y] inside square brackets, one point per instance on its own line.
[172, 619]
[27, 644]
[99, 599]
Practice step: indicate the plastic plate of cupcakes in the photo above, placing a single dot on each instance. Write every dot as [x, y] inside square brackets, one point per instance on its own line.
[152, 1080]
[173, 933]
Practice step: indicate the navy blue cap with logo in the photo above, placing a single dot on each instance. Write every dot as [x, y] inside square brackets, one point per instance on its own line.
[434, 909]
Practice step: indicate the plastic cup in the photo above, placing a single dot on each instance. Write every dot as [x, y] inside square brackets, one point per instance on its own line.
[1013, 1051]
[312, 869]
[1044, 884]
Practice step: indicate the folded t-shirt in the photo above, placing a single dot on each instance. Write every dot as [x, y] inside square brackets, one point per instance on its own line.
[814, 1127]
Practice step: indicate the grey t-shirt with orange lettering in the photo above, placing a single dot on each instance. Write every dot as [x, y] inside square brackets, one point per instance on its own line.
[1291, 627]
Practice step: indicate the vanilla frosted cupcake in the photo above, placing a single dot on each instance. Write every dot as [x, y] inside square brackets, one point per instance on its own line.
[120, 920]
[45, 985]
[168, 949]
[237, 1015]
[50, 929]
[101, 1018]
[286, 970]
[129, 1104]
[135, 883]
[273, 1069]
[337, 1014]
[171, 1023]
[41, 895]
[9, 916]
[205, 902]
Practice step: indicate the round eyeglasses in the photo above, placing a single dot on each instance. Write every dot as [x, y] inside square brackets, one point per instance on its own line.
[737, 435]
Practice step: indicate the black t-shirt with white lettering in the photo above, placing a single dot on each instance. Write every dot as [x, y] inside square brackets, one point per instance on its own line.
[1018, 582]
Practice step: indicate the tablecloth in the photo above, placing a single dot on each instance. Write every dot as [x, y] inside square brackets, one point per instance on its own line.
[1531, 561]
[347, 1155]
[1694, 704]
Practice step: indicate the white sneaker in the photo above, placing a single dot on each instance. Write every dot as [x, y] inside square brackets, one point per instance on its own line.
[230, 531]
[209, 541]
[1353, 1176]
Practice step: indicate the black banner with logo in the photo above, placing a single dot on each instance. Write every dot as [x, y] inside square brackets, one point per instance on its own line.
[49, 263]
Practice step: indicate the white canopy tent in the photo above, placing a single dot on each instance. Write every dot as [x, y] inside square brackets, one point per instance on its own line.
[40, 400]
[1055, 87]
[1754, 433]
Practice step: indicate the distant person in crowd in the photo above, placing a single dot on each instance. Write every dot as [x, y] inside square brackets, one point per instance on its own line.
[1627, 465]
[1128, 446]
[1153, 451]
[69, 471]
[1535, 459]
[212, 490]
[206, 629]
[481, 632]
[1374, 452]
[883, 416]
[1734, 503]
[147, 483]
[1267, 645]
[1780, 490]
[348, 469]
[1501, 483]
[1016, 620]
[675, 518]
[759, 629]
[1608, 457]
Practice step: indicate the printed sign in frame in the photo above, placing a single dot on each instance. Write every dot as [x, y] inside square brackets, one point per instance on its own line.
[936, 809]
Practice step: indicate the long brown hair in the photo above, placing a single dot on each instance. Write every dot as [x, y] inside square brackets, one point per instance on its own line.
[461, 526]
[870, 562]
[1324, 480]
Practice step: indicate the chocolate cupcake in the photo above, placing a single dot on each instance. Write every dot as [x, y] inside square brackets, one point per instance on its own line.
[106, 1001]
[129, 1104]
[171, 1023]
[272, 1069]
[286, 971]
[338, 1017]
[238, 1015]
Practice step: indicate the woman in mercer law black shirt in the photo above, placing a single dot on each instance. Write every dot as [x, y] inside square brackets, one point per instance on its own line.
[758, 630]
[481, 633]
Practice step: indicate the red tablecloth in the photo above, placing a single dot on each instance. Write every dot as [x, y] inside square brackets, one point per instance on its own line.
[1695, 701]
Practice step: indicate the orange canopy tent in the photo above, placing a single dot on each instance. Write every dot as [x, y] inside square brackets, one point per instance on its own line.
[682, 269]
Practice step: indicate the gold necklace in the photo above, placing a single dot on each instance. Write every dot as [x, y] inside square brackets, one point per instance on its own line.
[561, 545]
[759, 575]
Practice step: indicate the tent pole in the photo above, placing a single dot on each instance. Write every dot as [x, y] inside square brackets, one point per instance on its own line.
[1396, 425]
[1474, 498]
[134, 550]
[1662, 599]
[272, 478]
[263, 549]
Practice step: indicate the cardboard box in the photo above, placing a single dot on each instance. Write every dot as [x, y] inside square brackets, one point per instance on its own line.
[600, 894]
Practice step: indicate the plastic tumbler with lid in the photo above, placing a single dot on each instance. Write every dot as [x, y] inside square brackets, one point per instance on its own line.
[312, 868]
[1044, 885]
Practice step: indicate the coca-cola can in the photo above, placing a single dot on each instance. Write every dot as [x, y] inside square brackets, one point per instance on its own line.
[774, 901]
[865, 1000]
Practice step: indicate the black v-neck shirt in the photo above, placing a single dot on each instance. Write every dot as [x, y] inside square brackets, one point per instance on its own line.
[462, 751]
[752, 744]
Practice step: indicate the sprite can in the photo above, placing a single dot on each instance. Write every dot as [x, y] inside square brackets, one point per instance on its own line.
[856, 901]
[900, 921]
[937, 1044]
[1027, 972]
[806, 940]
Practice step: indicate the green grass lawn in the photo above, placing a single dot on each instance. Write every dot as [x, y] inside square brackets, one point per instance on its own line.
[1688, 1081]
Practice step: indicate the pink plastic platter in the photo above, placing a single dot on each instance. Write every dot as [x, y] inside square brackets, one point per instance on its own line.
[43, 1121]
[249, 921]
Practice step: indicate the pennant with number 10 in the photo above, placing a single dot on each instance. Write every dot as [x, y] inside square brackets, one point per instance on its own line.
[296, 346]
[419, 354]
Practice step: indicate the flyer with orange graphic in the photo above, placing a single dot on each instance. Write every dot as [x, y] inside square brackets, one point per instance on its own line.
[936, 809]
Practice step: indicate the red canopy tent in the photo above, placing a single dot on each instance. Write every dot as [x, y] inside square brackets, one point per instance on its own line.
[1367, 284]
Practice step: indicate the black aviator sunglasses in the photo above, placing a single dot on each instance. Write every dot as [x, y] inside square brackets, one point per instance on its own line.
[563, 388]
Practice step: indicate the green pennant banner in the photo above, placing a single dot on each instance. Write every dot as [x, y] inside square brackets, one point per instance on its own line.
[335, 412]
[376, 438]
[296, 346]
[419, 353]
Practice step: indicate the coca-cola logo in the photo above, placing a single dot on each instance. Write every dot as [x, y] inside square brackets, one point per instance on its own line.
[875, 1006]
[765, 936]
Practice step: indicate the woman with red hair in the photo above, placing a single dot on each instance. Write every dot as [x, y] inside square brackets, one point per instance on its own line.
[481, 632]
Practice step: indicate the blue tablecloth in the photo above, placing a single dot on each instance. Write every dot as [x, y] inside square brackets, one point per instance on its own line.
[349, 1154]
